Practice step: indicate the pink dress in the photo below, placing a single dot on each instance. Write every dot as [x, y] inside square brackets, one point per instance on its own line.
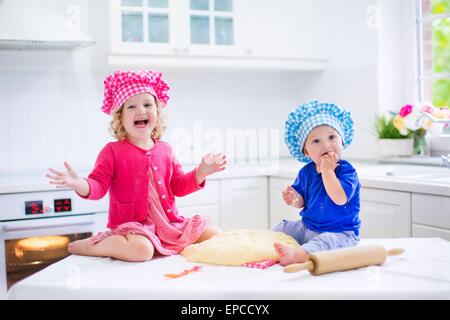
[167, 237]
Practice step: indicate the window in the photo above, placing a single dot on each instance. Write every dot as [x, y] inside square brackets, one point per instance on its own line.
[212, 22]
[145, 21]
[433, 39]
[433, 22]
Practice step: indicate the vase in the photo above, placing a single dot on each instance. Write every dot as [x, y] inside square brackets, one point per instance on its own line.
[420, 146]
[389, 148]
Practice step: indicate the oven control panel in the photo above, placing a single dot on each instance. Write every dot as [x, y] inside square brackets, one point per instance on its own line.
[29, 205]
[37, 206]
[63, 205]
[34, 207]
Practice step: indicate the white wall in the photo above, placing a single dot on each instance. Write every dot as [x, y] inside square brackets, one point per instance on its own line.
[351, 78]
[49, 103]
[397, 54]
[48, 117]
[372, 65]
[226, 102]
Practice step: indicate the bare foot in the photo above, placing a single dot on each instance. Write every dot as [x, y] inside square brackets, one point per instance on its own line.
[80, 247]
[290, 255]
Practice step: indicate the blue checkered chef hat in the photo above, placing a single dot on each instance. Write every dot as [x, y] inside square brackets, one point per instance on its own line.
[306, 117]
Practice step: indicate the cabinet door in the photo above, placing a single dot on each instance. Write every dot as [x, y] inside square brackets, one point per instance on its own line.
[285, 28]
[279, 210]
[175, 27]
[211, 27]
[204, 202]
[385, 214]
[209, 212]
[420, 231]
[431, 210]
[208, 195]
[244, 203]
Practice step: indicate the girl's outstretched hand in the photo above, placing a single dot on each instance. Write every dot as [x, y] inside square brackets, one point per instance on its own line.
[68, 179]
[211, 163]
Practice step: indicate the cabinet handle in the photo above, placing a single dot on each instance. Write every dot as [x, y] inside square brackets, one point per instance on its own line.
[186, 49]
[176, 50]
[249, 51]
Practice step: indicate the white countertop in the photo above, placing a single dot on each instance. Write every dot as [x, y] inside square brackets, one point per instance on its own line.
[396, 176]
[421, 272]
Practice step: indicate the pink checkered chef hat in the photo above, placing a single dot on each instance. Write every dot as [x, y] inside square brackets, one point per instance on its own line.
[122, 85]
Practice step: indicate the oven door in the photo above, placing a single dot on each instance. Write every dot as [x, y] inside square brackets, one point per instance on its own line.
[28, 246]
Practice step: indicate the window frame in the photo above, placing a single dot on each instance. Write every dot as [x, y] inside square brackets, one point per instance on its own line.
[421, 76]
[212, 14]
[146, 11]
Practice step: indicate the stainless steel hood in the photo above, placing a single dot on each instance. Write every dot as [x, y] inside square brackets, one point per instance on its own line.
[35, 25]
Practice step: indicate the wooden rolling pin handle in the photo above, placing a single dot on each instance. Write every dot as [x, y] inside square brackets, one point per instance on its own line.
[295, 267]
[395, 251]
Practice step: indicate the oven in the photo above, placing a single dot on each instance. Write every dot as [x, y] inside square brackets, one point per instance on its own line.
[36, 227]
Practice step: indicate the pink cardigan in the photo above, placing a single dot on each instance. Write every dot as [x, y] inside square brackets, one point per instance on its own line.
[122, 168]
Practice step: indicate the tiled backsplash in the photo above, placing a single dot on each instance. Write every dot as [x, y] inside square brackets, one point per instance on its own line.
[49, 117]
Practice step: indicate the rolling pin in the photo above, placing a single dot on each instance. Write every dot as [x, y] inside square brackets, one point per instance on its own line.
[344, 259]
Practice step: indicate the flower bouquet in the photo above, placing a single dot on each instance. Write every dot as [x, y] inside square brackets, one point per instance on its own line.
[405, 131]
[416, 120]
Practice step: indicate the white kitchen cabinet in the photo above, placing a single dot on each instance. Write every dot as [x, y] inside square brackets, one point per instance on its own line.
[385, 213]
[288, 29]
[430, 216]
[421, 231]
[204, 202]
[244, 203]
[431, 210]
[249, 34]
[209, 212]
[175, 27]
[278, 209]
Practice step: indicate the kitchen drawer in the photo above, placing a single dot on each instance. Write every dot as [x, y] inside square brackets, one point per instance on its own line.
[208, 195]
[419, 231]
[210, 212]
[431, 210]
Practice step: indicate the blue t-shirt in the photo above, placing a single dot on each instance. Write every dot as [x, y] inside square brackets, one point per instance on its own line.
[320, 213]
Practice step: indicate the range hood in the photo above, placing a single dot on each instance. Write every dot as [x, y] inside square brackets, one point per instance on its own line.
[36, 25]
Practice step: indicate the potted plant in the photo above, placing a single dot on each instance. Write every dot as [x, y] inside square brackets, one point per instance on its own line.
[404, 133]
[391, 143]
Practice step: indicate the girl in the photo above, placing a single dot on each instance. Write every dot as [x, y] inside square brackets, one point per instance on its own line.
[142, 176]
[327, 188]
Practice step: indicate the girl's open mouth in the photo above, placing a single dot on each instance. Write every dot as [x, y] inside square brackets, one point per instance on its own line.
[141, 123]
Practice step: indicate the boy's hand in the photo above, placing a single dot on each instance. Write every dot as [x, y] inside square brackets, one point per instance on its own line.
[328, 161]
[211, 163]
[291, 197]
